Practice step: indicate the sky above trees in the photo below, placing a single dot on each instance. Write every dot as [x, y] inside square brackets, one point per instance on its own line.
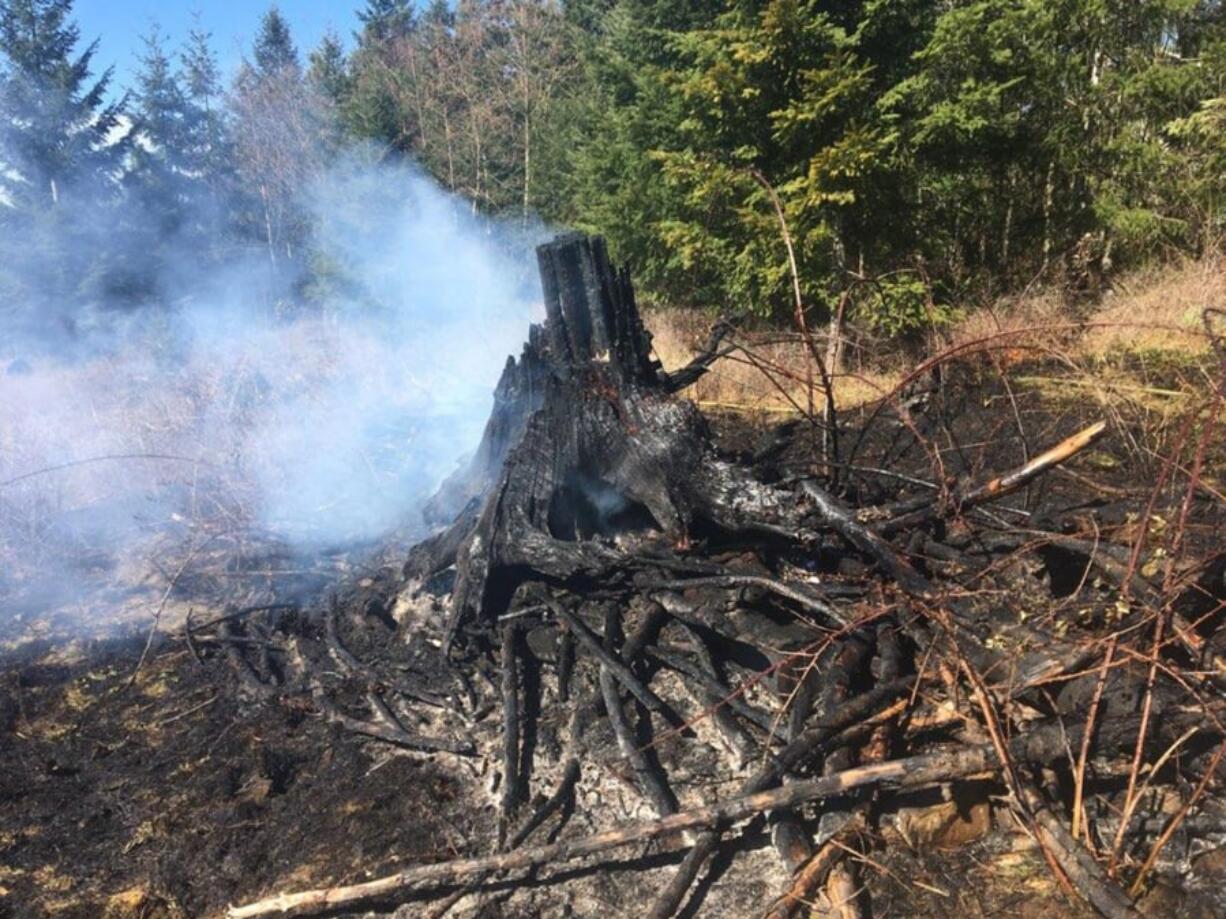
[119, 25]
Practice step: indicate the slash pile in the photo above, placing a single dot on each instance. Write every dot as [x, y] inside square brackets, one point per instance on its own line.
[792, 642]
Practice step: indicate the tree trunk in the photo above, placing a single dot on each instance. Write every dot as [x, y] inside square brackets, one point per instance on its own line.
[272, 246]
[1049, 194]
[527, 166]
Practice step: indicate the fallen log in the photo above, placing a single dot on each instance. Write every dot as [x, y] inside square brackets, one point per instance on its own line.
[914, 771]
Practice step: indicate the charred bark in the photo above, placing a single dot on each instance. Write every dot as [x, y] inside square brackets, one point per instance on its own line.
[585, 443]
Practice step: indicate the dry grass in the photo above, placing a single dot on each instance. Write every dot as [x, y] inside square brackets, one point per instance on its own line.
[1153, 310]
[116, 468]
[1150, 315]
[773, 380]
[1158, 310]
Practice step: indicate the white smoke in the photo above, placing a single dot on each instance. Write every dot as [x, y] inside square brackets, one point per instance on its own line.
[235, 408]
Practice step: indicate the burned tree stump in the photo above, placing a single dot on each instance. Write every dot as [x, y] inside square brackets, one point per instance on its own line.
[586, 443]
[819, 637]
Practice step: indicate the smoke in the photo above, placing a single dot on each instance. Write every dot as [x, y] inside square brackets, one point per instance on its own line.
[228, 408]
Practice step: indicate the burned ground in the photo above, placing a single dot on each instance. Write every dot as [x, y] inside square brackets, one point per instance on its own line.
[169, 795]
[654, 662]
[178, 792]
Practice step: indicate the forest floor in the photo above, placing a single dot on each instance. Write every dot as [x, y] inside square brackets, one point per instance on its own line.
[137, 781]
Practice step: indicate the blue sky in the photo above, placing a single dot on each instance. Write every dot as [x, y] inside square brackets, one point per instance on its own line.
[119, 25]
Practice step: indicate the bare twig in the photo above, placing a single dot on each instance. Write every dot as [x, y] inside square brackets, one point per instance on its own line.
[830, 433]
[103, 459]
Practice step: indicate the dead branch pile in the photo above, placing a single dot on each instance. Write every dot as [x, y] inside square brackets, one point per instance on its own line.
[621, 595]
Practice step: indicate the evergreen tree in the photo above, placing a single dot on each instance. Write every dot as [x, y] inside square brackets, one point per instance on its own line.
[625, 110]
[206, 146]
[274, 49]
[61, 150]
[57, 129]
[973, 144]
[385, 20]
[157, 187]
[1004, 138]
[374, 109]
[329, 69]
[174, 179]
[776, 94]
[201, 76]
[1036, 133]
[159, 165]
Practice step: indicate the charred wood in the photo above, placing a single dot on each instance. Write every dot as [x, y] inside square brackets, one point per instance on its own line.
[650, 779]
[510, 730]
[919, 770]
[614, 664]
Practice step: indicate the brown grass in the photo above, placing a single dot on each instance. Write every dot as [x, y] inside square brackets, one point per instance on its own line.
[773, 380]
[1159, 309]
[114, 469]
[1111, 354]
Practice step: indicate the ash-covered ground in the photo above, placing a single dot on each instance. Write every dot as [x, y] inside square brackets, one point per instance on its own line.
[143, 778]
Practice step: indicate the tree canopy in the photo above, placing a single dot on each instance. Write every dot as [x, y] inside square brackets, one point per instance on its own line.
[948, 150]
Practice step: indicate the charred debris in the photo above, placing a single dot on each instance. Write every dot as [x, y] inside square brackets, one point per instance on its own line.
[610, 596]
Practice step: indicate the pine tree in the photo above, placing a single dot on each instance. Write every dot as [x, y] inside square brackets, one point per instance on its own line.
[385, 20]
[372, 109]
[158, 189]
[61, 150]
[206, 146]
[275, 50]
[160, 107]
[200, 74]
[329, 69]
[57, 129]
[778, 94]
[176, 178]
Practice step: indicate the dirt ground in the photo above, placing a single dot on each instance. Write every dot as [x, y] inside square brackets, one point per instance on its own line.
[138, 786]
